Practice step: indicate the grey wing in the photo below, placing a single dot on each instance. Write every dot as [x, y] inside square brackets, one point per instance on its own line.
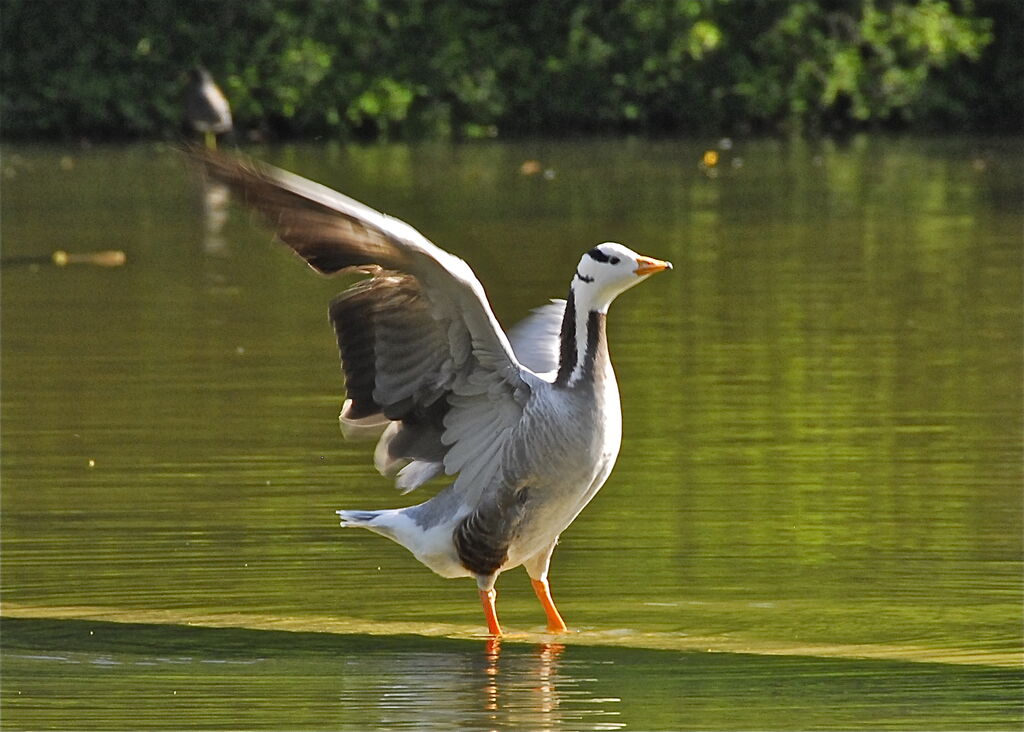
[535, 339]
[423, 354]
[400, 366]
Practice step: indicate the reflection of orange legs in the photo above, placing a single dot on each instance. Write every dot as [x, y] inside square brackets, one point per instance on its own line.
[492, 652]
[487, 600]
[543, 590]
[548, 702]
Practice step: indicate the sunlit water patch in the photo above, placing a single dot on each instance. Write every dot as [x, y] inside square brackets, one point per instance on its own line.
[822, 419]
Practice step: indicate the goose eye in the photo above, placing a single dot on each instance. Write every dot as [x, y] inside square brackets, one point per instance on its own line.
[614, 260]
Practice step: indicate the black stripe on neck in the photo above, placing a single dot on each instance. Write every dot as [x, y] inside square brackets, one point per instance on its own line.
[595, 332]
[567, 353]
[567, 341]
[585, 278]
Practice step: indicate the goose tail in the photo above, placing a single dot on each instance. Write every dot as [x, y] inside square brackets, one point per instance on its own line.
[359, 519]
[432, 546]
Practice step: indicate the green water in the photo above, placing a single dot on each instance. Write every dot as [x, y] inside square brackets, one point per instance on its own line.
[820, 479]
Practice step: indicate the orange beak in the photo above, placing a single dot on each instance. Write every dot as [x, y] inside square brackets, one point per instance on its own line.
[646, 266]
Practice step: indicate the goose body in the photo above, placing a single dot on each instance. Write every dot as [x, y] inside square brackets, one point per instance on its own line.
[529, 423]
[556, 458]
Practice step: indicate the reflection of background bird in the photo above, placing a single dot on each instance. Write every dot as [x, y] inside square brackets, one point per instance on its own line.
[206, 108]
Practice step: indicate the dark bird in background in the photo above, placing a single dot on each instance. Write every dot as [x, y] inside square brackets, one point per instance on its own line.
[206, 108]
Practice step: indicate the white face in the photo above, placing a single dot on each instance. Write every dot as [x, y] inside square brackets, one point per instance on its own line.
[610, 269]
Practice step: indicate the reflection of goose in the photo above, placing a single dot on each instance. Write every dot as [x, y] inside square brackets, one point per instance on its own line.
[529, 422]
[206, 108]
[531, 705]
[469, 686]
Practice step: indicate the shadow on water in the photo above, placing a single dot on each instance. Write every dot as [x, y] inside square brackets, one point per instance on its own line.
[180, 676]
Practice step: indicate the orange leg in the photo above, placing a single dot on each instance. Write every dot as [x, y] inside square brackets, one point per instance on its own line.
[487, 600]
[543, 590]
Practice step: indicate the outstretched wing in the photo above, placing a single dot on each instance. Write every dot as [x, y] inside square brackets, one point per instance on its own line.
[421, 349]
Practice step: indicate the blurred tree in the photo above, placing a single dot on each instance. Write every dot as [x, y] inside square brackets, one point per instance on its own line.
[853, 63]
[379, 68]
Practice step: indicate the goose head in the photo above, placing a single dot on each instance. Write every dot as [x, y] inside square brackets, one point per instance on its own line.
[608, 270]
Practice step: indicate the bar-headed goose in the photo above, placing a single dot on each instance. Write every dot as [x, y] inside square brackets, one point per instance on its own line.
[529, 423]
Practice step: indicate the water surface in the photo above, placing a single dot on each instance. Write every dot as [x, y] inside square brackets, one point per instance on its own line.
[820, 477]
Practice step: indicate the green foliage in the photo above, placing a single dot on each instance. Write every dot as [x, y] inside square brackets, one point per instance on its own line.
[379, 68]
[860, 66]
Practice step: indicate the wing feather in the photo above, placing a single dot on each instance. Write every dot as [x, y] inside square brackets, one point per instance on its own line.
[333, 232]
[535, 339]
[420, 347]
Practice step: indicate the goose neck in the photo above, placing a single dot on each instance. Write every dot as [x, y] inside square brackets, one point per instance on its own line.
[583, 347]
